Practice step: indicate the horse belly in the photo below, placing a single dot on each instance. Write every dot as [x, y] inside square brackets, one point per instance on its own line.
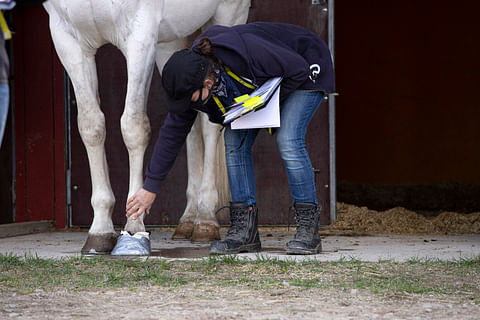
[94, 22]
[181, 18]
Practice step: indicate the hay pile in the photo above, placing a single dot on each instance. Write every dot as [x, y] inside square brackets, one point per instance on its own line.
[403, 221]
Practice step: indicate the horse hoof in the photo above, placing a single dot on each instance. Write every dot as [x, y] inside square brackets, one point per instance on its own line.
[205, 233]
[184, 231]
[132, 245]
[99, 243]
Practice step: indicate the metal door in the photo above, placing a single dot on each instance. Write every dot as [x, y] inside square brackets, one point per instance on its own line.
[273, 195]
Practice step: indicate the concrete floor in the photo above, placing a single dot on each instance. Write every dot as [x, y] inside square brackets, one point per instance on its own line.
[61, 244]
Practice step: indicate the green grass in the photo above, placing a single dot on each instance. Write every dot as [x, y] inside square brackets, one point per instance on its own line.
[459, 278]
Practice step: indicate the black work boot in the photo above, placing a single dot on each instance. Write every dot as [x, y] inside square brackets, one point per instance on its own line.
[307, 240]
[243, 233]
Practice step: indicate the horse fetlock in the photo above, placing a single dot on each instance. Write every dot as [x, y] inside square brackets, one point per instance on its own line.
[206, 212]
[102, 221]
[134, 226]
[101, 225]
[190, 213]
[208, 201]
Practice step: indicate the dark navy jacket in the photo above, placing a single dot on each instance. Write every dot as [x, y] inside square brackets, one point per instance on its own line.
[257, 51]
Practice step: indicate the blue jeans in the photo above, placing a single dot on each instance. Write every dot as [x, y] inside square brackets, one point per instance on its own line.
[4, 97]
[295, 115]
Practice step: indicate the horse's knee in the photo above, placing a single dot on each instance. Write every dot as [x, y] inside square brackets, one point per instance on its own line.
[135, 130]
[92, 128]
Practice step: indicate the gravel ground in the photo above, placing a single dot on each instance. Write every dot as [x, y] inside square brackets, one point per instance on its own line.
[230, 303]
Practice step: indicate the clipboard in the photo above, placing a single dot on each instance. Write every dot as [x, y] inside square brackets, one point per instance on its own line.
[257, 100]
[266, 117]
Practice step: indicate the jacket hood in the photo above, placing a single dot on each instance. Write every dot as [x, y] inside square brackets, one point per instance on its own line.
[228, 38]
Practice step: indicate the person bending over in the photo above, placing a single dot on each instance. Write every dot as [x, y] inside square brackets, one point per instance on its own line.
[227, 62]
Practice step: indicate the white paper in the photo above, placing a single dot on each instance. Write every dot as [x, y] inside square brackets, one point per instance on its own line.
[267, 117]
[264, 92]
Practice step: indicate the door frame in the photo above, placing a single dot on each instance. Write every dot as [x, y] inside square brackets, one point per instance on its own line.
[331, 115]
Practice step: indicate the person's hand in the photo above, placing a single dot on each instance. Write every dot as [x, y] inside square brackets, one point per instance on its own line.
[139, 203]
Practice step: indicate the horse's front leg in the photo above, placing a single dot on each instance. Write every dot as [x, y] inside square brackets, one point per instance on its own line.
[80, 65]
[91, 125]
[140, 56]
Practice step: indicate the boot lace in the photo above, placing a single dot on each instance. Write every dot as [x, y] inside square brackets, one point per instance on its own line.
[305, 220]
[238, 224]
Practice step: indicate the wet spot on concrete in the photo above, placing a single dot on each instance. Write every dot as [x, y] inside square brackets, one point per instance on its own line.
[182, 252]
[197, 252]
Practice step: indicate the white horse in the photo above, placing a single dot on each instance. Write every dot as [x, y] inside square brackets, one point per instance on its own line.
[145, 31]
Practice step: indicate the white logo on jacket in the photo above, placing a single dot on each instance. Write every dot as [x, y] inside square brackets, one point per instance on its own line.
[314, 72]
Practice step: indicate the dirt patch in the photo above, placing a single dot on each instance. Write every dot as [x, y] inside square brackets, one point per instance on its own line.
[213, 302]
[232, 289]
[403, 221]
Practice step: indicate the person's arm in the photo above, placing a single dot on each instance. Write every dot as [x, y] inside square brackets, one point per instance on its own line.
[170, 140]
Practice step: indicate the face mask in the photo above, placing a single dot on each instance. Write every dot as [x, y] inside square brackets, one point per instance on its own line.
[220, 86]
[200, 105]
[207, 98]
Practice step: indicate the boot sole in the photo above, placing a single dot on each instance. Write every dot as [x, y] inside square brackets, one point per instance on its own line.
[253, 247]
[304, 251]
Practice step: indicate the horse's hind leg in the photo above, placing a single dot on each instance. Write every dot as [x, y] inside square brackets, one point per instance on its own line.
[80, 65]
[213, 190]
[206, 227]
[230, 12]
[195, 152]
[195, 166]
[194, 174]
